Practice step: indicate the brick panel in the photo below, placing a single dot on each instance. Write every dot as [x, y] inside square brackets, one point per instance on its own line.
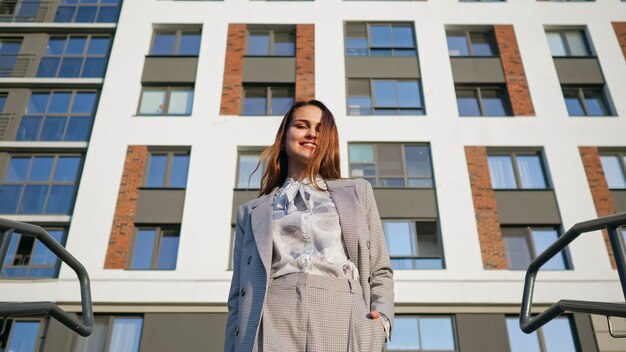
[516, 83]
[124, 218]
[487, 219]
[620, 32]
[305, 62]
[602, 198]
[233, 70]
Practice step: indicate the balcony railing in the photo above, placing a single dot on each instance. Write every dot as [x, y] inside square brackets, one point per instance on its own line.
[15, 65]
[5, 122]
[24, 10]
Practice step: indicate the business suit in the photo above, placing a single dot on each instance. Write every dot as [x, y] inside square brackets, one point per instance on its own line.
[363, 237]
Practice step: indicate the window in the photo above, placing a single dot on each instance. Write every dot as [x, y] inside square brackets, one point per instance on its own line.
[523, 244]
[167, 169]
[267, 100]
[3, 101]
[111, 333]
[75, 56]
[271, 42]
[39, 184]
[482, 101]
[517, 171]
[155, 248]
[58, 116]
[90, 11]
[29, 258]
[176, 43]
[16, 11]
[471, 43]
[586, 101]
[380, 39]
[413, 244]
[21, 335]
[160, 101]
[557, 335]
[391, 164]
[9, 57]
[614, 167]
[568, 43]
[246, 163]
[384, 97]
[423, 333]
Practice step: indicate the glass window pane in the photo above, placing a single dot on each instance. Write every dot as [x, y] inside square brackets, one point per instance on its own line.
[85, 14]
[78, 129]
[282, 100]
[284, 44]
[64, 14]
[180, 168]
[41, 254]
[385, 94]
[163, 44]
[60, 102]
[168, 251]
[542, 239]
[258, 43]
[55, 46]
[67, 168]
[531, 172]
[400, 237]
[48, 67]
[181, 101]
[557, 47]
[517, 252]
[613, 171]
[33, 199]
[573, 103]
[402, 36]
[467, 102]
[577, 43]
[98, 46]
[558, 335]
[28, 130]
[84, 103]
[52, 129]
[94, 67]
[427, 239]
[9, 197]
[380, 36]
[359, 105]
[37, 103]
[18, 168]
[108, 14]
[189, 44]
[457, 45]
[493, 102]
[595, 102]
[152, 102]
[12, 248]
[144, 249]
[247, 164]
[417, 159]
[76, 46]
[156, 171]
[481, 44]
[41, 168]
[520, 341]
[501, 172]
[389, 157]
[436, 333]
[405, 334]
[409, 94]
[70, 67]
[60, 200]
[361, 153]
[24, 336]
[356, 46]
[126, 334]
[255, 101]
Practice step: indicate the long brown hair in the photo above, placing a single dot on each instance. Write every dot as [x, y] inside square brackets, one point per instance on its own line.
[325, 158]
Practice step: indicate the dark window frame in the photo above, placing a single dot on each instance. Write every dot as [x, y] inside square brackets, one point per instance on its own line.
[168, 97]
[566, 46]
[413, 223]
[268, 96]
[489, 34]
[6, 337]
[392, 48]
[161, 231]
[84, 56]
[516, 172]
[98, 5]
[621, 157]
[566, 256]
[249, 151]
[397, 109]
[108, 320]
[580, 94]
[271, 32]
[540, 334]
[453, 323]
[478, 91]
[56, 266]
[178, 33]
[168, 167]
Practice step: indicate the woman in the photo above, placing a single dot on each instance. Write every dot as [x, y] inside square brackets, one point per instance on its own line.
[311, 269]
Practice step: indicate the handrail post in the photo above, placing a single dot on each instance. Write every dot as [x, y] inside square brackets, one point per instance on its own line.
[617, 243]
[5, 240]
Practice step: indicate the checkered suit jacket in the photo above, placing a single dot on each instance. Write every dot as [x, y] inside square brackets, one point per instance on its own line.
[252, 259]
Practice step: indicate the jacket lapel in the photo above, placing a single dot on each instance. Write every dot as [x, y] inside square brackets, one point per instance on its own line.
[262, 214]
[345, 202]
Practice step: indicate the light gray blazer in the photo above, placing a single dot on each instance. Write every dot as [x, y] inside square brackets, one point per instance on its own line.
[252, 258]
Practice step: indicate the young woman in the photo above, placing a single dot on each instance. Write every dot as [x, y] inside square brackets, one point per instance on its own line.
[311, 269]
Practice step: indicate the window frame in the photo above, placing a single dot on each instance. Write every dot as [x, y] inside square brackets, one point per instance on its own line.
[513, 155]
[168, 97]
[528, 233]
[160, 230]
[42, 328]
[566, 46]
[178, 34]
[580, 94]
[56, 267]
[248, 151]
[392, 48]
[109, 329]
[98, 5]
[413, 223]
[268, 96]
[170, 154]
[453, 323]
[621, 156]
[477, 89]
[272, 39]
[540, 334]
[372, 96]
[467, 33]
[84, 56]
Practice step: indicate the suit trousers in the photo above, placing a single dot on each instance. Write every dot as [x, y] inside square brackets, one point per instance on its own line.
[305, 312]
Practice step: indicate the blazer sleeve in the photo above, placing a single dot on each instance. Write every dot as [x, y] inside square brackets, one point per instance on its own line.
[381, 286]
[232, 323]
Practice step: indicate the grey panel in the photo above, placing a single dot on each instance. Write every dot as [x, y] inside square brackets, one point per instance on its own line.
[527, 207]
[183, 332]
[240, 196]
[578, 70]
[162, 206]
[406, 203]
[34, 44]
[482, 332]
[13, 110]
[269, 69]
[477, 70]
[169, 69]
[619, 198]
[59, 337]
[584, 330]
[382, 67]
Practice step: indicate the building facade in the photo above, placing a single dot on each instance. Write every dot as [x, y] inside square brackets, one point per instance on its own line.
[129, 131]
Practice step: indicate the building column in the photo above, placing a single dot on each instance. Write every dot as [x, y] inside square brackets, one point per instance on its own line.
[305, 62]
[233, 70]
[620, 32]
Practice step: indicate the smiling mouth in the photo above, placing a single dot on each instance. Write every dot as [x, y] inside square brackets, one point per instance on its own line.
[310, 146]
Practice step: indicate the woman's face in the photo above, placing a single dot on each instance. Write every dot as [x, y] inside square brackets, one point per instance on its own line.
[301, 138]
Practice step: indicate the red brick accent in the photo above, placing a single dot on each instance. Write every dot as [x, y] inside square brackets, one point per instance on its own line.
[305, 62]
[602, 198]
[487, 218]
[233, 70]
[620, 32]
[124, 218]
[516, 83]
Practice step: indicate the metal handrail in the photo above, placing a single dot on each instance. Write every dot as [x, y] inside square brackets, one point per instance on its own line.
[611, 224]
[84, 328]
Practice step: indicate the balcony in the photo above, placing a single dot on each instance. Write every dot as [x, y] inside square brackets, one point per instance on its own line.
[24, 10]
[15, 65]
